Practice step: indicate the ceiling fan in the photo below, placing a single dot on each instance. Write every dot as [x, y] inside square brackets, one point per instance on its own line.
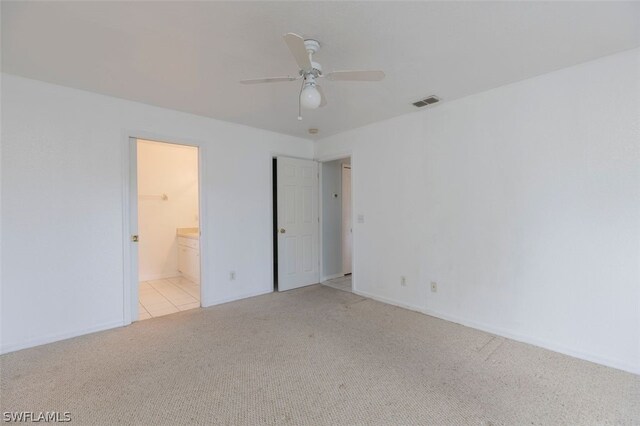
[311, 94]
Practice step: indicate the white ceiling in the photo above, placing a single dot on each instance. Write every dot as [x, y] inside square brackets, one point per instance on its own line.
[190, 56]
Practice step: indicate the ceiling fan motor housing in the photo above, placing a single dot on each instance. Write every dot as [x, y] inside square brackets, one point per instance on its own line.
[312, 45]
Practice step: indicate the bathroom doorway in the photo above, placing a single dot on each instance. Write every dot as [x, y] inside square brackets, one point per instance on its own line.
[168, 231]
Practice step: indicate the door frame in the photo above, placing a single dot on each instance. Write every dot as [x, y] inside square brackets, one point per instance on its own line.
[324, 159]
[130, 201]
[342, 227]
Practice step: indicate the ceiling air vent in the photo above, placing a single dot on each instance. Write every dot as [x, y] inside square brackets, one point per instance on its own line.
[427, 101]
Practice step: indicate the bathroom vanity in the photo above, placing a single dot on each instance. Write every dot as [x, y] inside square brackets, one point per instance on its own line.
[189, 253]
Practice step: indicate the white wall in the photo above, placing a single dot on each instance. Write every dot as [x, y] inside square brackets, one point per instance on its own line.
[171, 170]
[63, 163]
[522, 203]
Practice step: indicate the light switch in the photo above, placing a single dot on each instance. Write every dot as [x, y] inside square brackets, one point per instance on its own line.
[360, 218]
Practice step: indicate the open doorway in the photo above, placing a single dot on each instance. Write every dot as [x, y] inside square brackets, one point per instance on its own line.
[168, 228]
[337, 231]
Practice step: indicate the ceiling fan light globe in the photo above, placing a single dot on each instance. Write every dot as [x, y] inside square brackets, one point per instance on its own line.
[310, 98]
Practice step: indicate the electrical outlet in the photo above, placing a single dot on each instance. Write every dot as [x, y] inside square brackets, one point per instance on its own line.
[434, 286]
[232, 275]
[403, 281]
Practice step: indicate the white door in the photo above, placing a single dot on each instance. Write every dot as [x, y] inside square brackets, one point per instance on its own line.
[347, 230]
[298, 223]
[133, 227]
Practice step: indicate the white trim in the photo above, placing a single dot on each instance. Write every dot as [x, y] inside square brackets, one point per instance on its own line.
[242, 296]
[354, 227]
[331, 277]
[51, 338]
[331, 157]
[206, 287]
[130, 284]
[344, 167]
[276, 154]
[609, 362]
[126, 230]
[319, 224]
[131, 300]
[387, 300]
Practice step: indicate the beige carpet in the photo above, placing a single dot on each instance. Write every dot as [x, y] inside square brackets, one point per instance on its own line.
[341, 283]
[312, 356]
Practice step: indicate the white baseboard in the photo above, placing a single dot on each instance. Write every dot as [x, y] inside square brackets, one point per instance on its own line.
[389, 301]
[60, 336]
[12, 347]
[609, 362]
[613, 363]
[331, 277]
[234, 298]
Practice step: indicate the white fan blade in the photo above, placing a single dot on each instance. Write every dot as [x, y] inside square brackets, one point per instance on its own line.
[298, 50]
[269, 80]
[355, 75]
[323, 98]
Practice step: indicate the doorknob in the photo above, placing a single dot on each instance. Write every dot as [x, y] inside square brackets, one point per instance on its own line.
[135, 238]
[282, 230]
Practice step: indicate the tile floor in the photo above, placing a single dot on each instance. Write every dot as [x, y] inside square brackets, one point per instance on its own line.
[167, 296]
[341, 283]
